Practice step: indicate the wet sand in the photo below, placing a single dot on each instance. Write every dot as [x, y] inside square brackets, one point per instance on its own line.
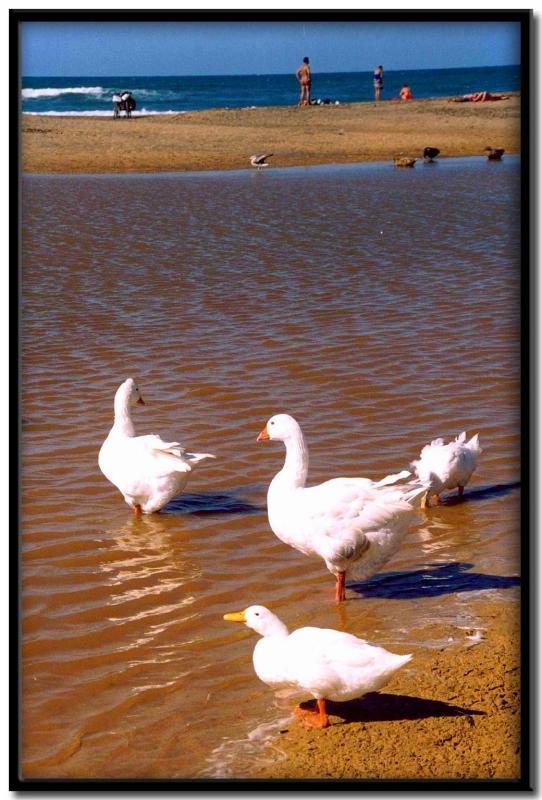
[455, 717]
[223, 139]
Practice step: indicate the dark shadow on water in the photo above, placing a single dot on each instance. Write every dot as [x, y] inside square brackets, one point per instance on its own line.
[481, 493]
[439, 579]
[378, 707]
[234, 502]
[227, 502]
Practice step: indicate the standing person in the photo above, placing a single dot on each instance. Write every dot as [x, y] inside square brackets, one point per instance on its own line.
[303, 75]
[378, 81]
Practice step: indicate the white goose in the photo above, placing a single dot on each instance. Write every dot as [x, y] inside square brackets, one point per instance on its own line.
[328, 664]
[147, 471]
[354, 524]
[447, 466]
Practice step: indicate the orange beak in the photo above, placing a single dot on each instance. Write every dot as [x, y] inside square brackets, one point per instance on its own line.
[141, 401]
[263, 435]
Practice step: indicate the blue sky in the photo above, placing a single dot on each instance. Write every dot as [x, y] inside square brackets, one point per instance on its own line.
[218, 48]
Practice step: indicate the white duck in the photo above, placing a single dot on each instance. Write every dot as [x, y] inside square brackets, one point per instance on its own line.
[354, 524]
[447, 466]
[328, 664]
[147, 471]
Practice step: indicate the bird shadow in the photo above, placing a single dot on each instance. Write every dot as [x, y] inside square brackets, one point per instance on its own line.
[382, 707]
[440, 579]
[488, 492]
[231, 502]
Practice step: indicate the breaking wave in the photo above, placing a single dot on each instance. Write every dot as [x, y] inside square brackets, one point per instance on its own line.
[31, 94]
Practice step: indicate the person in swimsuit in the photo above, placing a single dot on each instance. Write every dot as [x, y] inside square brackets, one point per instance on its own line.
[378, 81]
[405, 93]
[478, 97]
[303, 75]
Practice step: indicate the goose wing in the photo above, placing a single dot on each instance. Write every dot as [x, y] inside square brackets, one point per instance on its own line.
[332, 664]
[339, 516]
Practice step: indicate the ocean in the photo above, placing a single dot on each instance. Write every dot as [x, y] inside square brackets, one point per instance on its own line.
[88, 95]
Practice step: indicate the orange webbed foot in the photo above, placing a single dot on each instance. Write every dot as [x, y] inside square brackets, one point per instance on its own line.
[299, 711]
[314, 716]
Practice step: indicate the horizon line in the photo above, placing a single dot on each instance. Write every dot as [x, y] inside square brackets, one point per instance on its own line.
[268, 74]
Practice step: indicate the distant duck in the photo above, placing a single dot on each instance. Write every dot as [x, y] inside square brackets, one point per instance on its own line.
[430, 153]
[329, 664]
[447, 466]
[404, 161]
[260, 161]
[494, 153]
[147, 471]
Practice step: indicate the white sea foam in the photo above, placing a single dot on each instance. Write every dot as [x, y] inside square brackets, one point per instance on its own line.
[232, 757]
[31, 94]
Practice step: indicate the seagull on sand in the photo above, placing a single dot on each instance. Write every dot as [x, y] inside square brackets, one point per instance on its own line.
[260, 161]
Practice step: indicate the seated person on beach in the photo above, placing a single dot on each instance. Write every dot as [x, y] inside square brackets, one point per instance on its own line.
[405, 93]
[123, 101]
[478, 97]
[303, 75]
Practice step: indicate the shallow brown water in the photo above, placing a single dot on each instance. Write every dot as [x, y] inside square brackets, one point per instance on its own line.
[368, 302]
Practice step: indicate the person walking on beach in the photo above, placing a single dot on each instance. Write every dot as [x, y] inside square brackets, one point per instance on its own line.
[303, 75]
[378, 81]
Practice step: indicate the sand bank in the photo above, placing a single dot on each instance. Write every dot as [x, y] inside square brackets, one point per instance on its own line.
[223, 139]
[455, 715]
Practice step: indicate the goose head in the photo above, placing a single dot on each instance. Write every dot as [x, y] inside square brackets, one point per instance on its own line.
[260, 619]
[128, 395]
[281, 427]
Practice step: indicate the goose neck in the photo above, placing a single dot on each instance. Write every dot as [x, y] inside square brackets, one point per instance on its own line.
[123, 417]
[296, 464]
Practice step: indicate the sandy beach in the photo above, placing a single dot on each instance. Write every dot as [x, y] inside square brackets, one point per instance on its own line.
[223, 139]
